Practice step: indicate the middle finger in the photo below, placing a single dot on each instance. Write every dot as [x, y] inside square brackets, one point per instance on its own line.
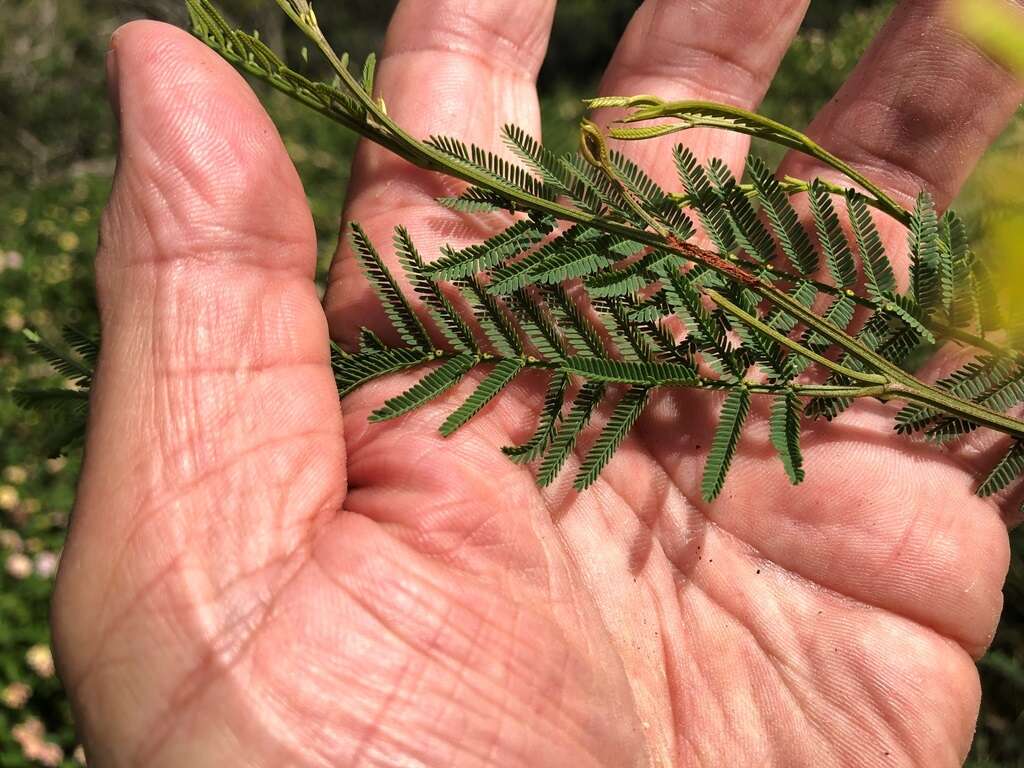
[718, 50]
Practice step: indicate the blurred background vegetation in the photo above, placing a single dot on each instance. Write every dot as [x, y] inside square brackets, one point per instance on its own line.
[55, 168]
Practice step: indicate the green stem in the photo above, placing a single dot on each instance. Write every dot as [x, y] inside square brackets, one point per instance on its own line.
[903, 384]
[878, 390]
[694, 113]
[790, 185]
[792, 344]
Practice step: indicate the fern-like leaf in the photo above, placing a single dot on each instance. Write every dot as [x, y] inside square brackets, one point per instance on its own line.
[475, 200]
[587, 400]
[591, 189]
[785, 434]
[750, 234]
[499, 378]
[537, 157]
[574, 325]
[65, 364]
[514, 240]
[392, 299]
[623, 417]
[515, 274]
[451, 323]
[963, 307]
[1002, 389]
[838, 257]
[85, 346]
[908, 312]
[630, 372]
[723, 445]
[632, 277]
[1005, 472]
[574, 261]
[878, 275]
[626, 337]
[431, 386]
[803, 293]
[928, 283]
[704, 328]
[537, 326]
[547, 423]
[353, 371]
[793, 239]
[44, 399]
[620, 240]
[838, 314]
[370, 341]
[708, 205]
[493, 320]
[492, 165]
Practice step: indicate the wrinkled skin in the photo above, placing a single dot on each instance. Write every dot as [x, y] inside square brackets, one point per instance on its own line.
[257, 577]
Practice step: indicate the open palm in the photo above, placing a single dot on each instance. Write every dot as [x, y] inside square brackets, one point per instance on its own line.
[258, 577]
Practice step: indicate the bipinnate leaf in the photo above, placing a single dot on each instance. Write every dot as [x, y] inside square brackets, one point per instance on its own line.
[630, 372]
[723, 446]
[595, 279]
[838, 257]
[550, 413]
[568, 433]
[452, 325]
[623, 417]
[785, 434]
[1005, 472]
[931, 286]
[431, 386]
[392, 299]
[792, 237]
[878, 275]
[352, 371]
[499, 378]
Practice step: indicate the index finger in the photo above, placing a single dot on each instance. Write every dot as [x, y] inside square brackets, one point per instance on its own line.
[449, 67]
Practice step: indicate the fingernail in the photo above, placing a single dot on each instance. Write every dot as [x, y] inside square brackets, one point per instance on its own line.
[113, 85]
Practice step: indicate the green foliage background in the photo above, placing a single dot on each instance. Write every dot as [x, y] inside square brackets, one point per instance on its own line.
[55, 168]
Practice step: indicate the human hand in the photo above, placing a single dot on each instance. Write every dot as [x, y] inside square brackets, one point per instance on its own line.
[257, 577]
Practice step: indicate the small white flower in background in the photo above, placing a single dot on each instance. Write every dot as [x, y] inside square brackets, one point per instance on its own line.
[55, 465]
[67, 241]
[15, 260]
[15, 695]
[15, 475]
[10, 540]
[14, 320]
[46, 564]
[18, 565]
[78, 755]
[40, 660]
[31, 737]
[8, 497]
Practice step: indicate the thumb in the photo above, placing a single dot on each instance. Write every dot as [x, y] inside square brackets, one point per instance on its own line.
[215, 442]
